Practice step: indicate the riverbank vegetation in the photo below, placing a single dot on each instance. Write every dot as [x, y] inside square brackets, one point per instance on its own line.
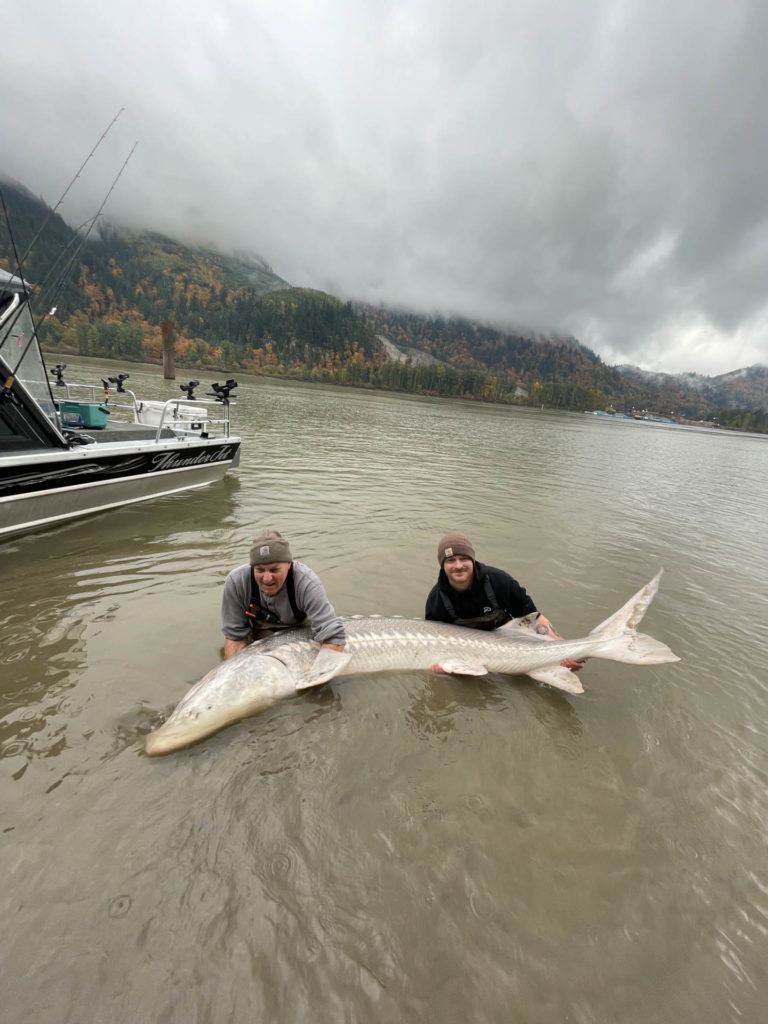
[112, 294]
[754, 421]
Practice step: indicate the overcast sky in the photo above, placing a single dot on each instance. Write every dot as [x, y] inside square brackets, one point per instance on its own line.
[595, 167]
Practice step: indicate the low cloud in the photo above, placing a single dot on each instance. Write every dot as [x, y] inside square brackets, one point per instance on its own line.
[596, 169]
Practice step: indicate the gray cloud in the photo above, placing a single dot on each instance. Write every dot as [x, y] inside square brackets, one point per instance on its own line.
[596, 168]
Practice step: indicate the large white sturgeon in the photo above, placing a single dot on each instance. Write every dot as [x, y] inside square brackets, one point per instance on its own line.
[277, 667]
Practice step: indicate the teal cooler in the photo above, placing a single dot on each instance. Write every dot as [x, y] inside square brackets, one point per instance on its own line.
[83, 414]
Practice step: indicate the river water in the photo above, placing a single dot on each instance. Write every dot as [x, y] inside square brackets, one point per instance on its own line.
[400, 847]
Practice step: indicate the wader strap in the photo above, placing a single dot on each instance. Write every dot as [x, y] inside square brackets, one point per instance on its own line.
[258, 614]
[447, 603]
[497, 616]
[297, 613]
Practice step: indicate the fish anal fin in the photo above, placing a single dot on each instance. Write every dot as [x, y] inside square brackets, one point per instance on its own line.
[463, 668]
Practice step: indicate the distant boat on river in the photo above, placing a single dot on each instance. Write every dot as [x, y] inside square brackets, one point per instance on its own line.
[610, 415]
[622, 416]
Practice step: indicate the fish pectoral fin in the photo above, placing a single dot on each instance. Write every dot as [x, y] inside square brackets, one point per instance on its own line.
[326, 665]
[559, 677]
[463, 668]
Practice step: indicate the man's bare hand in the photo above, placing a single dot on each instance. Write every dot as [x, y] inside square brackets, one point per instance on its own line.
[574, 666]
[545, 628]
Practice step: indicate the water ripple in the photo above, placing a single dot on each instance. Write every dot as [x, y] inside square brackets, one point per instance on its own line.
[399, 846]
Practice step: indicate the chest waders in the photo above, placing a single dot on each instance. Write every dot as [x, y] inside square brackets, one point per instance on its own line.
[492, 619]
[262, 621]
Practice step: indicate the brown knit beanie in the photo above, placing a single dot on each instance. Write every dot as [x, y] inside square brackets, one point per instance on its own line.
[454, 544]
[270, 546]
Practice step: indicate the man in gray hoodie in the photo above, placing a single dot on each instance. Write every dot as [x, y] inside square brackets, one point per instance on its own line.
[273, 591]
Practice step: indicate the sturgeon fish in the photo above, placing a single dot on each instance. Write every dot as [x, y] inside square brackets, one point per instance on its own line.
[277, 667]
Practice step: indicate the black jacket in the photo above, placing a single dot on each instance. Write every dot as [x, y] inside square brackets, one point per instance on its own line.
[494, 598]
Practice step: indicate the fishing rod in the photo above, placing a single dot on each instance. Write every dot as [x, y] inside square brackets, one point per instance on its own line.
[60, 282]
[16, 259]
[20, 260]
[69, 263]
[63, 196]
[54, 268]
[28, 291]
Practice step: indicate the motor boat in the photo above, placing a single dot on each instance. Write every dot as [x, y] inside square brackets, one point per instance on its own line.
[70, 450]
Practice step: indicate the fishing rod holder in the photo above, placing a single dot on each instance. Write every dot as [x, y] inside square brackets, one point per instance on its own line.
[118, 381]
[58, 373]
[189, 389]
[6, 395]
[221, 392]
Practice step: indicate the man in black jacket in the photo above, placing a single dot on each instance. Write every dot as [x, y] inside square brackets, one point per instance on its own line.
[468, 593]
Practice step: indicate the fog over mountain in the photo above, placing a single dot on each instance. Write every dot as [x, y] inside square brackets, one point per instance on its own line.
[594, 169]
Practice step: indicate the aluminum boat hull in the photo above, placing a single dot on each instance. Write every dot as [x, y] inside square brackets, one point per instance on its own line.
[44, 488]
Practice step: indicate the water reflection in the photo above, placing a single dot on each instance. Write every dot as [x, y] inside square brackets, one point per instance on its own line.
[432, 711]
[176, 519]
[38, 668]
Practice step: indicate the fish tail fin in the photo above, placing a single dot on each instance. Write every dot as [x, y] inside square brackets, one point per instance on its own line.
[630, 615]
[621, 642]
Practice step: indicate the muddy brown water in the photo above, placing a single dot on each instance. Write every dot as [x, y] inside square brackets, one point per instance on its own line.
[400, 847]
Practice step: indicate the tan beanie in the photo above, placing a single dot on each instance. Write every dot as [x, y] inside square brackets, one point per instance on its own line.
[454, 544]
[270, 546]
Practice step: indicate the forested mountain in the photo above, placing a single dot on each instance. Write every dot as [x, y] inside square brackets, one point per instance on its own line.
[113, 289]
[564, 373]
[740, 389]
[556, 373]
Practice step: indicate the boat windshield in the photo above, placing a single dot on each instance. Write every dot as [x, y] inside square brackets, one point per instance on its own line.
[20, 351]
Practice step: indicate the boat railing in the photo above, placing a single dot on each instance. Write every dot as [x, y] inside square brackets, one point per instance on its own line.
[91, 393]
[183, 415]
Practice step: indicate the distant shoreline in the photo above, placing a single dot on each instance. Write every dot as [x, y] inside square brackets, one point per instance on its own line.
[362, 386]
